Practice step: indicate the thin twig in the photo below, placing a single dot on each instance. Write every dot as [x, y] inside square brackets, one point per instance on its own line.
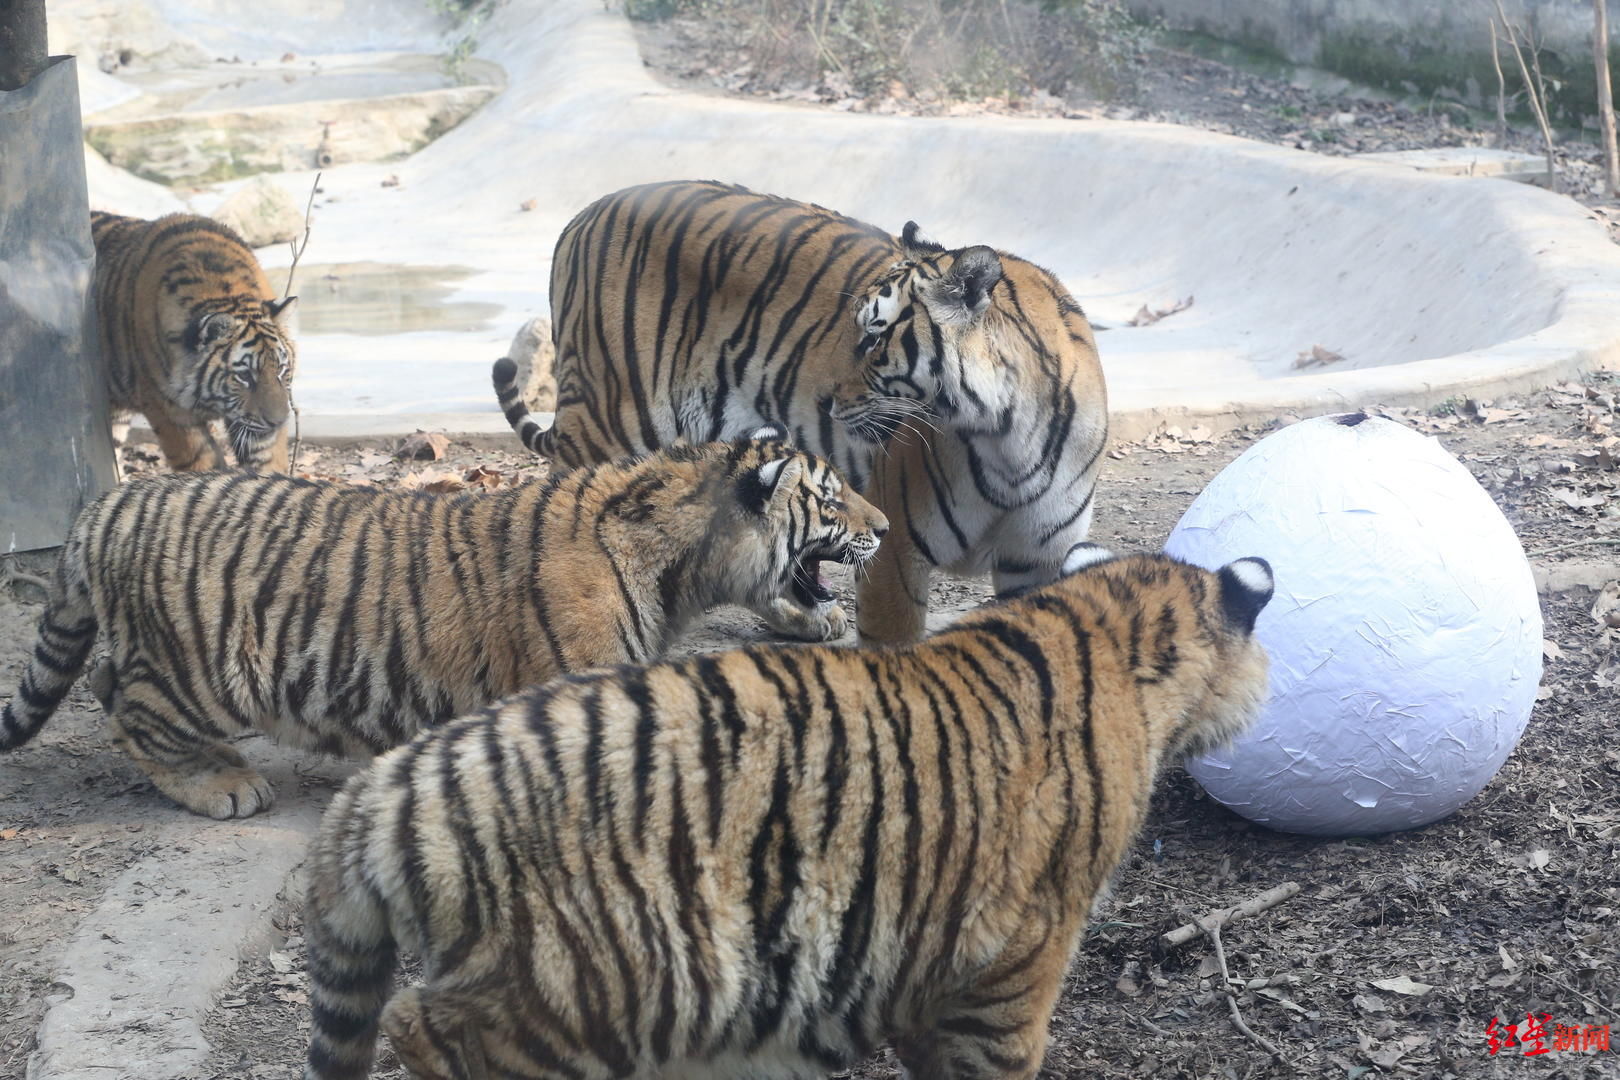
[1214, 932]
[1253, 906]
[1150, 1025]
[1501, 89]
[1595, 542]
[1605, 96]
[1535, 89]
[1598, 1005]
[298, 248]
[13, 576]
[298, 434]
[298, 253]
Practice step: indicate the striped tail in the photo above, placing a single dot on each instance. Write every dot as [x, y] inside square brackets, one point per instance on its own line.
[538, 439]
[351, 957]
[67, 630]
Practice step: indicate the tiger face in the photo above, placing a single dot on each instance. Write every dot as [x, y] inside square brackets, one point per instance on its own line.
[921, 354]
[244, 362]
[795, 512]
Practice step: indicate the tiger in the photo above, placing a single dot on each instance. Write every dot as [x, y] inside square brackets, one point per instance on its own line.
[191, 332]
[345, 618]
[770, 861]
[964, 396]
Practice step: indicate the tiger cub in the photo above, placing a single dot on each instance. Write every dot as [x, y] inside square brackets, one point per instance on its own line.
[349, 618]
[959, 389]
[767, 862]
[192, 332]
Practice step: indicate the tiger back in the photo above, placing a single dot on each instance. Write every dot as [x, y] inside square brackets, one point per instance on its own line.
[410, 608]
[768, 862]
[192, 332]
[959, 388]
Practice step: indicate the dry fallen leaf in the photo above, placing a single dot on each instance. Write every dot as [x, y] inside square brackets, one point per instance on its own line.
[1317, 356]
[424, 446]
[391, 181]
[1550, 649]
[1606, 608]
[482, 476]
[1576, 501]
[1147, 316]
[526, 205]
[8, 834]
[1400, 984]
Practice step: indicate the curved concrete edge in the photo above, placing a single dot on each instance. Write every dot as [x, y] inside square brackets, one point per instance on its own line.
[139, 973]
[580, 93]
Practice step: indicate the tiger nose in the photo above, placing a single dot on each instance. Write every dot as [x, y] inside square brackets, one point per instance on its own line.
[880, 527]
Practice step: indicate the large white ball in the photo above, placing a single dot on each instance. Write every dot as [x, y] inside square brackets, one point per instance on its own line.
[1405, 633]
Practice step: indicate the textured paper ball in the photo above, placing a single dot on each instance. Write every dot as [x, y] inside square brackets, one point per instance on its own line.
[1405, 633]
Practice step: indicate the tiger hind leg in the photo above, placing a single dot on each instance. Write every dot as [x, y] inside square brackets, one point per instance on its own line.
[437, 1034]
[998, 1028]
[199, 772]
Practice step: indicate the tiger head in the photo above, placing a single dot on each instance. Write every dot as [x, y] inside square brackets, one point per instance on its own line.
[1193, 657]
[776, 513]
[244, 361]
[927, 347]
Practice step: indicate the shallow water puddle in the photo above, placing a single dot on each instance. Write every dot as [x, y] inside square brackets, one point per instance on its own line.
[384, 298]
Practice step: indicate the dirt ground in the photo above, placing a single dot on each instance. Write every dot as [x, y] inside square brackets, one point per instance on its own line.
[1506, 908]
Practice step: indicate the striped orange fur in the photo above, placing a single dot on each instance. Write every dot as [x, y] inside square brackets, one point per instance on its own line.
[348, 618]
[766, 863]
[959, 388]
[191, 332]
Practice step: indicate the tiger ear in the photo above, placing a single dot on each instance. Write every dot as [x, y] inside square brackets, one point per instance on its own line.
[279, 310]
[775, 480]
[917, 244]
[771, 432]
[1246, 588]
[1083, 555]
[215, 327]
[963, 294]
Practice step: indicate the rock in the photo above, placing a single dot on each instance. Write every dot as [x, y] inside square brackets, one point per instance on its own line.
[1344, 119]
[263, 213]
[532, 352]
[202, 147]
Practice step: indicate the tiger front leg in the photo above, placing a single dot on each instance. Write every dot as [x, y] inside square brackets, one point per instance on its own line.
[891, 601]
[188, 445]
[826, 622]
[199, 772]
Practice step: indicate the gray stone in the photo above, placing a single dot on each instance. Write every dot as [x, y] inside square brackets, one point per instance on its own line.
[533, 353]
[262, 213]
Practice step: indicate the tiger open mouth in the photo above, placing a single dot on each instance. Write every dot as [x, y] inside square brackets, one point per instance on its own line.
[808, 587]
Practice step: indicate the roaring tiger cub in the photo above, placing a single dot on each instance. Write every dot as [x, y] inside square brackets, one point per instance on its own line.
[767, 862]
[695, 310]
[348, 618]
[192, 332]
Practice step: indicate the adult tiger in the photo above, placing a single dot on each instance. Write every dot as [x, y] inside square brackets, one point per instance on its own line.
[959, 388]
[191, 332]
[409, 608]
[767, 862]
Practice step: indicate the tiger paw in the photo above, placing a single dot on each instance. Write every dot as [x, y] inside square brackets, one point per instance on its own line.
[827, 622]
[216, 783]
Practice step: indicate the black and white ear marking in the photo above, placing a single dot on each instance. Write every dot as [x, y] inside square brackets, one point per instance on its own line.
[976, 272]
[280, 309]
[917, 243]
[771, 432]
[1246, 588]
[213, 327]
[1083, 555]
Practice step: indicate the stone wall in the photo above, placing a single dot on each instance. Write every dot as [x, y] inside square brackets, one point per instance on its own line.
[1422, 46]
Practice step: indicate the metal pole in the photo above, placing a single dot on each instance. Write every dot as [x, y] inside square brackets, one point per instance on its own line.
[23, 54]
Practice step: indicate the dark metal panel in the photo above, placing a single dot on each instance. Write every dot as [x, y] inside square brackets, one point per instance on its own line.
[55, 448]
